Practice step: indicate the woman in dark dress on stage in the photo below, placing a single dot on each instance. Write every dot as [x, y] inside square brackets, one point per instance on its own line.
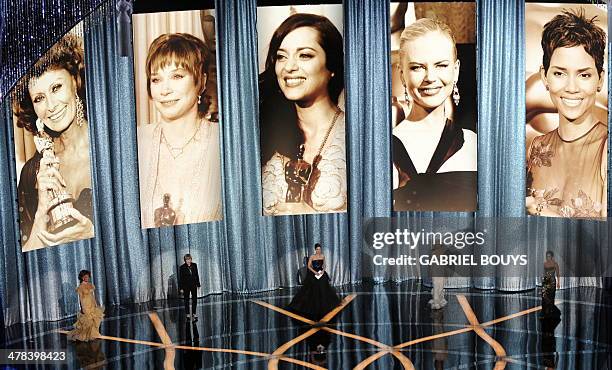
[550, 284]
[316, 297]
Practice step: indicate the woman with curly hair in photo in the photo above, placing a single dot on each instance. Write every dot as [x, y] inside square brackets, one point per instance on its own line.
[54, 190]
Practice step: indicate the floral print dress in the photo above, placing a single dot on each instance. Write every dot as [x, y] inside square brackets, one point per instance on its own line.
[566, 178]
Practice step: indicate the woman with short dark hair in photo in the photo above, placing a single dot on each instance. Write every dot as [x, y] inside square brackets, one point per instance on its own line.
[54, 190]
[179, 157]
[302, 127]
[87, 326]
[434, 160]
[567, 167]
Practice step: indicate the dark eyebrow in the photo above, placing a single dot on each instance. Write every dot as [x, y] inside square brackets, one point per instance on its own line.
[299, 49]
[579, 71]
[438, 62]
[56, 81]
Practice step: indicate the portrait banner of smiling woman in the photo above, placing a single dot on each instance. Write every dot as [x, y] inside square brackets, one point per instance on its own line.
[434, 110]
[301, 109]
[179, 157]
[566, 110]
[54, 186]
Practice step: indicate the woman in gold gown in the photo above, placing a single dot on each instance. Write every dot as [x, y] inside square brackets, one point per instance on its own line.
[87, 326]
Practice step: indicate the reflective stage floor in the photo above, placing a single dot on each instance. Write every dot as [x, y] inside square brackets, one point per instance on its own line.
[377, 327]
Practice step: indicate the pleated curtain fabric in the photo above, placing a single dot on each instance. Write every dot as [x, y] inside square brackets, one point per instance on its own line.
[247, 252]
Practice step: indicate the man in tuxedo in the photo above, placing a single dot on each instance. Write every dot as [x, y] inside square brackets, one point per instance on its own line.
[189, 282]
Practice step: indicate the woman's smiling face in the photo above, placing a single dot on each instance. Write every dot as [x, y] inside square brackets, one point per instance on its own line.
[174, 92]
[429, 68]
[572, 81]
[53, 96]
[300, 66]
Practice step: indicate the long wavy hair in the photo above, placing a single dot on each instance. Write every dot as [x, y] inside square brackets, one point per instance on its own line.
[277, 115]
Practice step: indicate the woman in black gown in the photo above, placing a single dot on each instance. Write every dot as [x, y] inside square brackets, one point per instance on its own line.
[316, 297]
[550, 284]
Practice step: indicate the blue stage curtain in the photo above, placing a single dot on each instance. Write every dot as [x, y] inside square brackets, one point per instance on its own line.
[247, 252]
[3, 13]
[501, 117]
[368, 76]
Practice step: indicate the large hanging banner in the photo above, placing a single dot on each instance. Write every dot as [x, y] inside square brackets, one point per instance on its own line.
[179, 157]
[434, 110]
[52, 148]
[566, 110]
[301, 109]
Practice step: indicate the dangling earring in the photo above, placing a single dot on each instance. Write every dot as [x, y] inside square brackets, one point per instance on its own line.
[40, 126]
[406, 97]
[199, 99]
[456, 96]
[80, 112]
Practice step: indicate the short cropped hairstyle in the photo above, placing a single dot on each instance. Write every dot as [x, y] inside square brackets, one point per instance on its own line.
[187, 256]
[66, 54]
[185, 51]
[82, 274]
[570, 29]
[424, 26]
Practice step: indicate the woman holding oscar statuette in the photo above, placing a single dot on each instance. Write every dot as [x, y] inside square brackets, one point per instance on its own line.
[54, 190]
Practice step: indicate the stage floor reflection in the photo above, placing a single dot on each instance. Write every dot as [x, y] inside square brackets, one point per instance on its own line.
[386, 326]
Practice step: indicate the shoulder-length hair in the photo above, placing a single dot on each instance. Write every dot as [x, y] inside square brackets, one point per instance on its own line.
[66, 54]
[185, 51]
[278, 119]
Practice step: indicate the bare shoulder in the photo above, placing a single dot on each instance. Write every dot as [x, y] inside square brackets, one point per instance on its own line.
[470, 139]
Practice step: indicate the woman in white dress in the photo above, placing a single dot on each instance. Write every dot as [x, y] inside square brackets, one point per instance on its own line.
[179, 157]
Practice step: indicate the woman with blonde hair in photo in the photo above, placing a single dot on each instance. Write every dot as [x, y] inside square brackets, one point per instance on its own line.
[179, 157]
[434, 160]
